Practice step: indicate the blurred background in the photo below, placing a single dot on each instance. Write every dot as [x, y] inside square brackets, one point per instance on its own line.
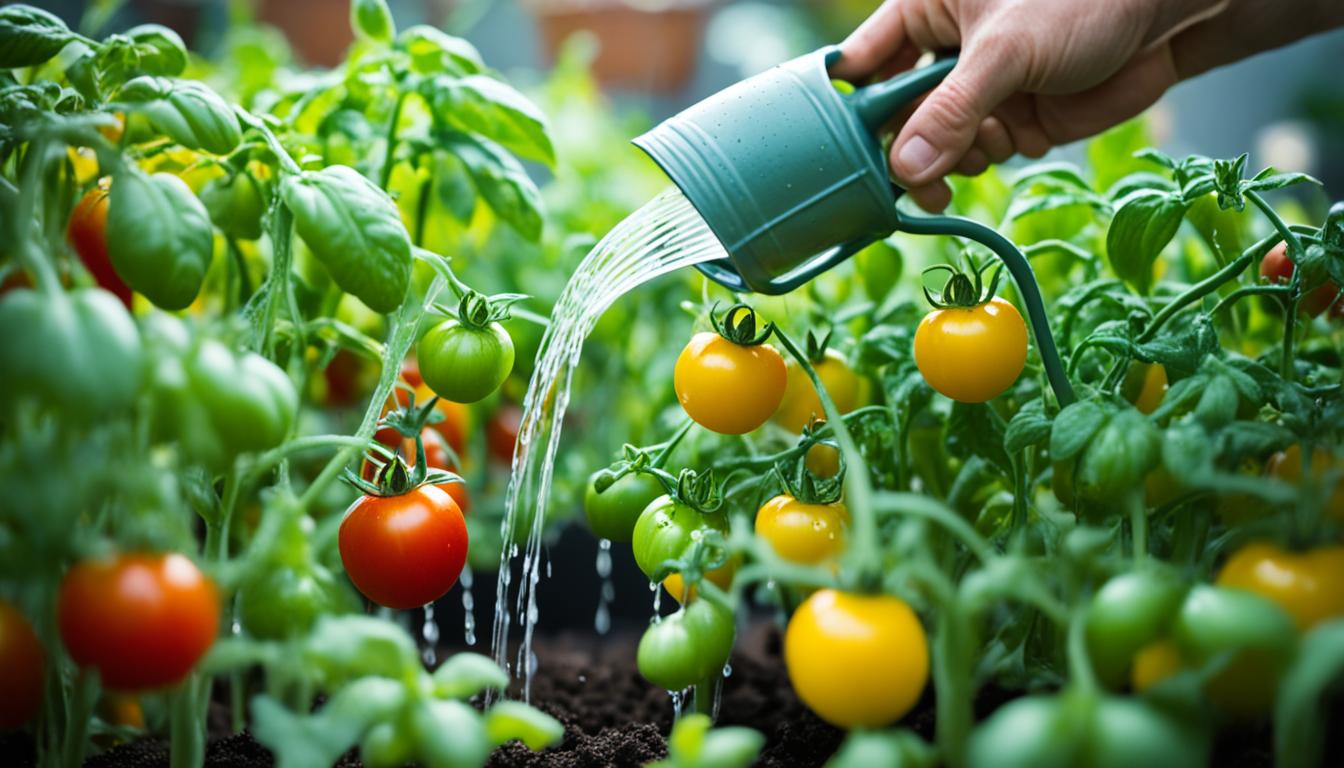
[655, 57]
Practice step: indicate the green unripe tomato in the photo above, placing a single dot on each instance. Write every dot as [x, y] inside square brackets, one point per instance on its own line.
[1117, 459]
[1029, 732]
[1128, 612]
[282, 602]
[612, 513]
[687, 647]
[235, 204]
[465, 364]
[665, 529]
[1128, 731]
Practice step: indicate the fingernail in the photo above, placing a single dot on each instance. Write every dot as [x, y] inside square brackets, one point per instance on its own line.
[916, 156]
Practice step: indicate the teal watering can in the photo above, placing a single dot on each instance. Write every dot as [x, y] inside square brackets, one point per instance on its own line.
[790, 175]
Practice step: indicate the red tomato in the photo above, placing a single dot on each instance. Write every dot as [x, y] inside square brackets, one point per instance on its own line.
[404, 551]
[501, 433]
[143, 620]
[1276, 267]
[436, 456]
[20, 668]
[87, 233]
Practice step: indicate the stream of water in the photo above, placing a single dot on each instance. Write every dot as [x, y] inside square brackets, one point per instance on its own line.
[664, 235]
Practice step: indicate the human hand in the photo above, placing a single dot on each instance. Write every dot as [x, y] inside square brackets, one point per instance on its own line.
[1033, 74]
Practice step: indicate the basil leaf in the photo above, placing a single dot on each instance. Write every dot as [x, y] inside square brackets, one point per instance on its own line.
[1029, 426]
[160, 51]
[501, 180]
[371, 20]
[1142, 227]
[159, 237]
[464, 675]
[482, 105]
[433, 52]
[1073, 427]
[354, 229]
[30, 36]
[187, 111]
[510, 720]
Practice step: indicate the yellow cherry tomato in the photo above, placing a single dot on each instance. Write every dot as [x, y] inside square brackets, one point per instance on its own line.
[856, 660]
[1287, 464]
[1308, 585]
[800, 532]
[721, 577]
[972, 354]
[823, 460]
[729, 388]
[1154, 663]
[802, 403]
[1145, 385]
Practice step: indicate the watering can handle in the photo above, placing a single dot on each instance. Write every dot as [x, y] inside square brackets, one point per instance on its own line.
[1022, 275]
[877, 103]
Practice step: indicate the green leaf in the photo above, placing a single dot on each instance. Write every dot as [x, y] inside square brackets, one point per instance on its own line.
[509, 720]
[30, 36]
[1217, 403]
[501, 180]
[371, 20]
[1074, 427]
[495, 110]
[187, 111]
[1227, 177]
[159, 50]
[354, 229]
[1137, 181]
[433, 52]
[730, 747]
[1268, 179]
[1187, 451]
[159, 237]
[972, 430]
[1111, 155]
[1142, 227]
[302, 741]
[466, 674]
[449, 734]
[1156, 156]
[900, 748]
[231, 654]
[1301, 706]
[344, 647]
[1056, 175]
[1029, 426]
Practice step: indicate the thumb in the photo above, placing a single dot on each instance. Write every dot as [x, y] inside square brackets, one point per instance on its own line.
[944, 126]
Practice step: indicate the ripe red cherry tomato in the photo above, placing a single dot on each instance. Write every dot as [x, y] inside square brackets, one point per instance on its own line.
[20, 668]
[404, 551]
[501, 433]
[1276, 267]
[143, 620]
[87, 233]
[456, 422]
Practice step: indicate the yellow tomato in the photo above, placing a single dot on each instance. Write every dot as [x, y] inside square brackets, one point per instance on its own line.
[1145, 385]
[972, 354]
[729, 388]
[823, 460]
[801, 403]
[802, 533]
[721, 577]
[1287, 466]
[856, 660]
[1308, 585]
[1154, 663]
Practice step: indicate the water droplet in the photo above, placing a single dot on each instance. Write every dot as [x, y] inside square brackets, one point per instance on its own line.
[429, 631]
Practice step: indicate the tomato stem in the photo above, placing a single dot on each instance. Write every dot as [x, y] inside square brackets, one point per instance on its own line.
[389, 159]
[78, 713]
[866, 551]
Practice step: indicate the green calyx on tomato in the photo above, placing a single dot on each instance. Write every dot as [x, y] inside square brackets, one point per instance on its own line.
[731, 381]
[614, 508]
[394, 477]
[467, 358]
[159, 237]
[142, 620]
[688, 647]
[216, 403]
[973, 345]
[77, 353]
[1129, 612]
